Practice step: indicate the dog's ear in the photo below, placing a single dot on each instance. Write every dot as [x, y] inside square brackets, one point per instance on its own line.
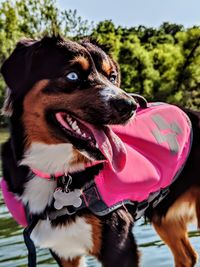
[16, 68]
[31, 61]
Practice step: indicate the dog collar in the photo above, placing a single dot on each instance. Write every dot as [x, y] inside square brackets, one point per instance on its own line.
[57, 175]
[47, 175]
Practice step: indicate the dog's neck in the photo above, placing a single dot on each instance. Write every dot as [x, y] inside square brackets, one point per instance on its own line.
[51, 159]
[38, 192]
[33, 190]
[17, 166]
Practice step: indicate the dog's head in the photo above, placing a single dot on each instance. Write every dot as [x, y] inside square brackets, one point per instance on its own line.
[69, 92]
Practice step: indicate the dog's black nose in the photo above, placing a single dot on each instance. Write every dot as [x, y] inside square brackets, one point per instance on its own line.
[124, 106]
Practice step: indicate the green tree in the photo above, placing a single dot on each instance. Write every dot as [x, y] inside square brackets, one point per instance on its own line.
[73, 24]
[162, 64]
[106, 33]
[138, 73]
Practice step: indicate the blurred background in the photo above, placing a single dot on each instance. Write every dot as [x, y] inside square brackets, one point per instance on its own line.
[157, 45]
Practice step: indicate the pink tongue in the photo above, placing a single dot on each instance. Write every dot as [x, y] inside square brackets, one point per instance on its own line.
[109, 143]
[111, 147]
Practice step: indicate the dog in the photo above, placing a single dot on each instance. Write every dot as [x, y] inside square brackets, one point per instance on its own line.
[62, 95]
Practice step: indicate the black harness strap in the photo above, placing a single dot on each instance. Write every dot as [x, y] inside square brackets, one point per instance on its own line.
[29, 243]
[91, 199]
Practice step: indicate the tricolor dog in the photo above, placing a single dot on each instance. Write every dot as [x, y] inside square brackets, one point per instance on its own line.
[85, 159]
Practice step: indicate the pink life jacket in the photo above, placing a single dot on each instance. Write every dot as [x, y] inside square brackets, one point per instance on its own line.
[157, 142]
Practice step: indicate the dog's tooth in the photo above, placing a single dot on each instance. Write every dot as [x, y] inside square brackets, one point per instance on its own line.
[84, 135]
[78, 131]
[74, 125]
[97, 146]
[69, 120]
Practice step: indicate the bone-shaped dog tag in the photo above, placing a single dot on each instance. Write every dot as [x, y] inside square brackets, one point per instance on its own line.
[71, 198]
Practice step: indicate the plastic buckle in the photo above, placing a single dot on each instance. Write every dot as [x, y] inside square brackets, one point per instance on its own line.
[141, 207]
[164, 192]
[91, 195]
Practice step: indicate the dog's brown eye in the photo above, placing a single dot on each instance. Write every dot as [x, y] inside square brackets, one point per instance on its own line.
[72, 76]
[113, 78]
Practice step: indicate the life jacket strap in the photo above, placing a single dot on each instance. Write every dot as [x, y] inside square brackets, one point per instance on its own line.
[92, 200]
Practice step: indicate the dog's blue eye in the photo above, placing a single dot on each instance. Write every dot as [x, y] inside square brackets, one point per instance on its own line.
[72, 76]
[113, 78]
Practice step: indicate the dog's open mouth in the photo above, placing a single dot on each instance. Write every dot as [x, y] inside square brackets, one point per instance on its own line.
[101, 138]
[78, 128]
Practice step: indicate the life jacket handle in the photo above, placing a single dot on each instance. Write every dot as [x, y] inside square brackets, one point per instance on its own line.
[140, 100]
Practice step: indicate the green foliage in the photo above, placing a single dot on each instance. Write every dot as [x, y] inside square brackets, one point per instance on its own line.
[36, 17]
[74, 25]
[162, 64]
[105, 33]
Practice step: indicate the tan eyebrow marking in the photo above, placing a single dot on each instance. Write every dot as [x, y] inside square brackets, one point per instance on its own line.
[106, 66]
[83, 61]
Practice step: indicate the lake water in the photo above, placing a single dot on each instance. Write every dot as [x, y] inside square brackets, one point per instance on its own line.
[13, 252]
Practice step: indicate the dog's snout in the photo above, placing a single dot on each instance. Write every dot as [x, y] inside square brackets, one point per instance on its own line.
[124, 106]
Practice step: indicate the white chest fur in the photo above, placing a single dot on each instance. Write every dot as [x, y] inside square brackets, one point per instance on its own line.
[51, 158]
[38, 193]
[67, 241]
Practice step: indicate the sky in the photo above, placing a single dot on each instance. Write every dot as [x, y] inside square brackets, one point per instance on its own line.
[151, 13]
